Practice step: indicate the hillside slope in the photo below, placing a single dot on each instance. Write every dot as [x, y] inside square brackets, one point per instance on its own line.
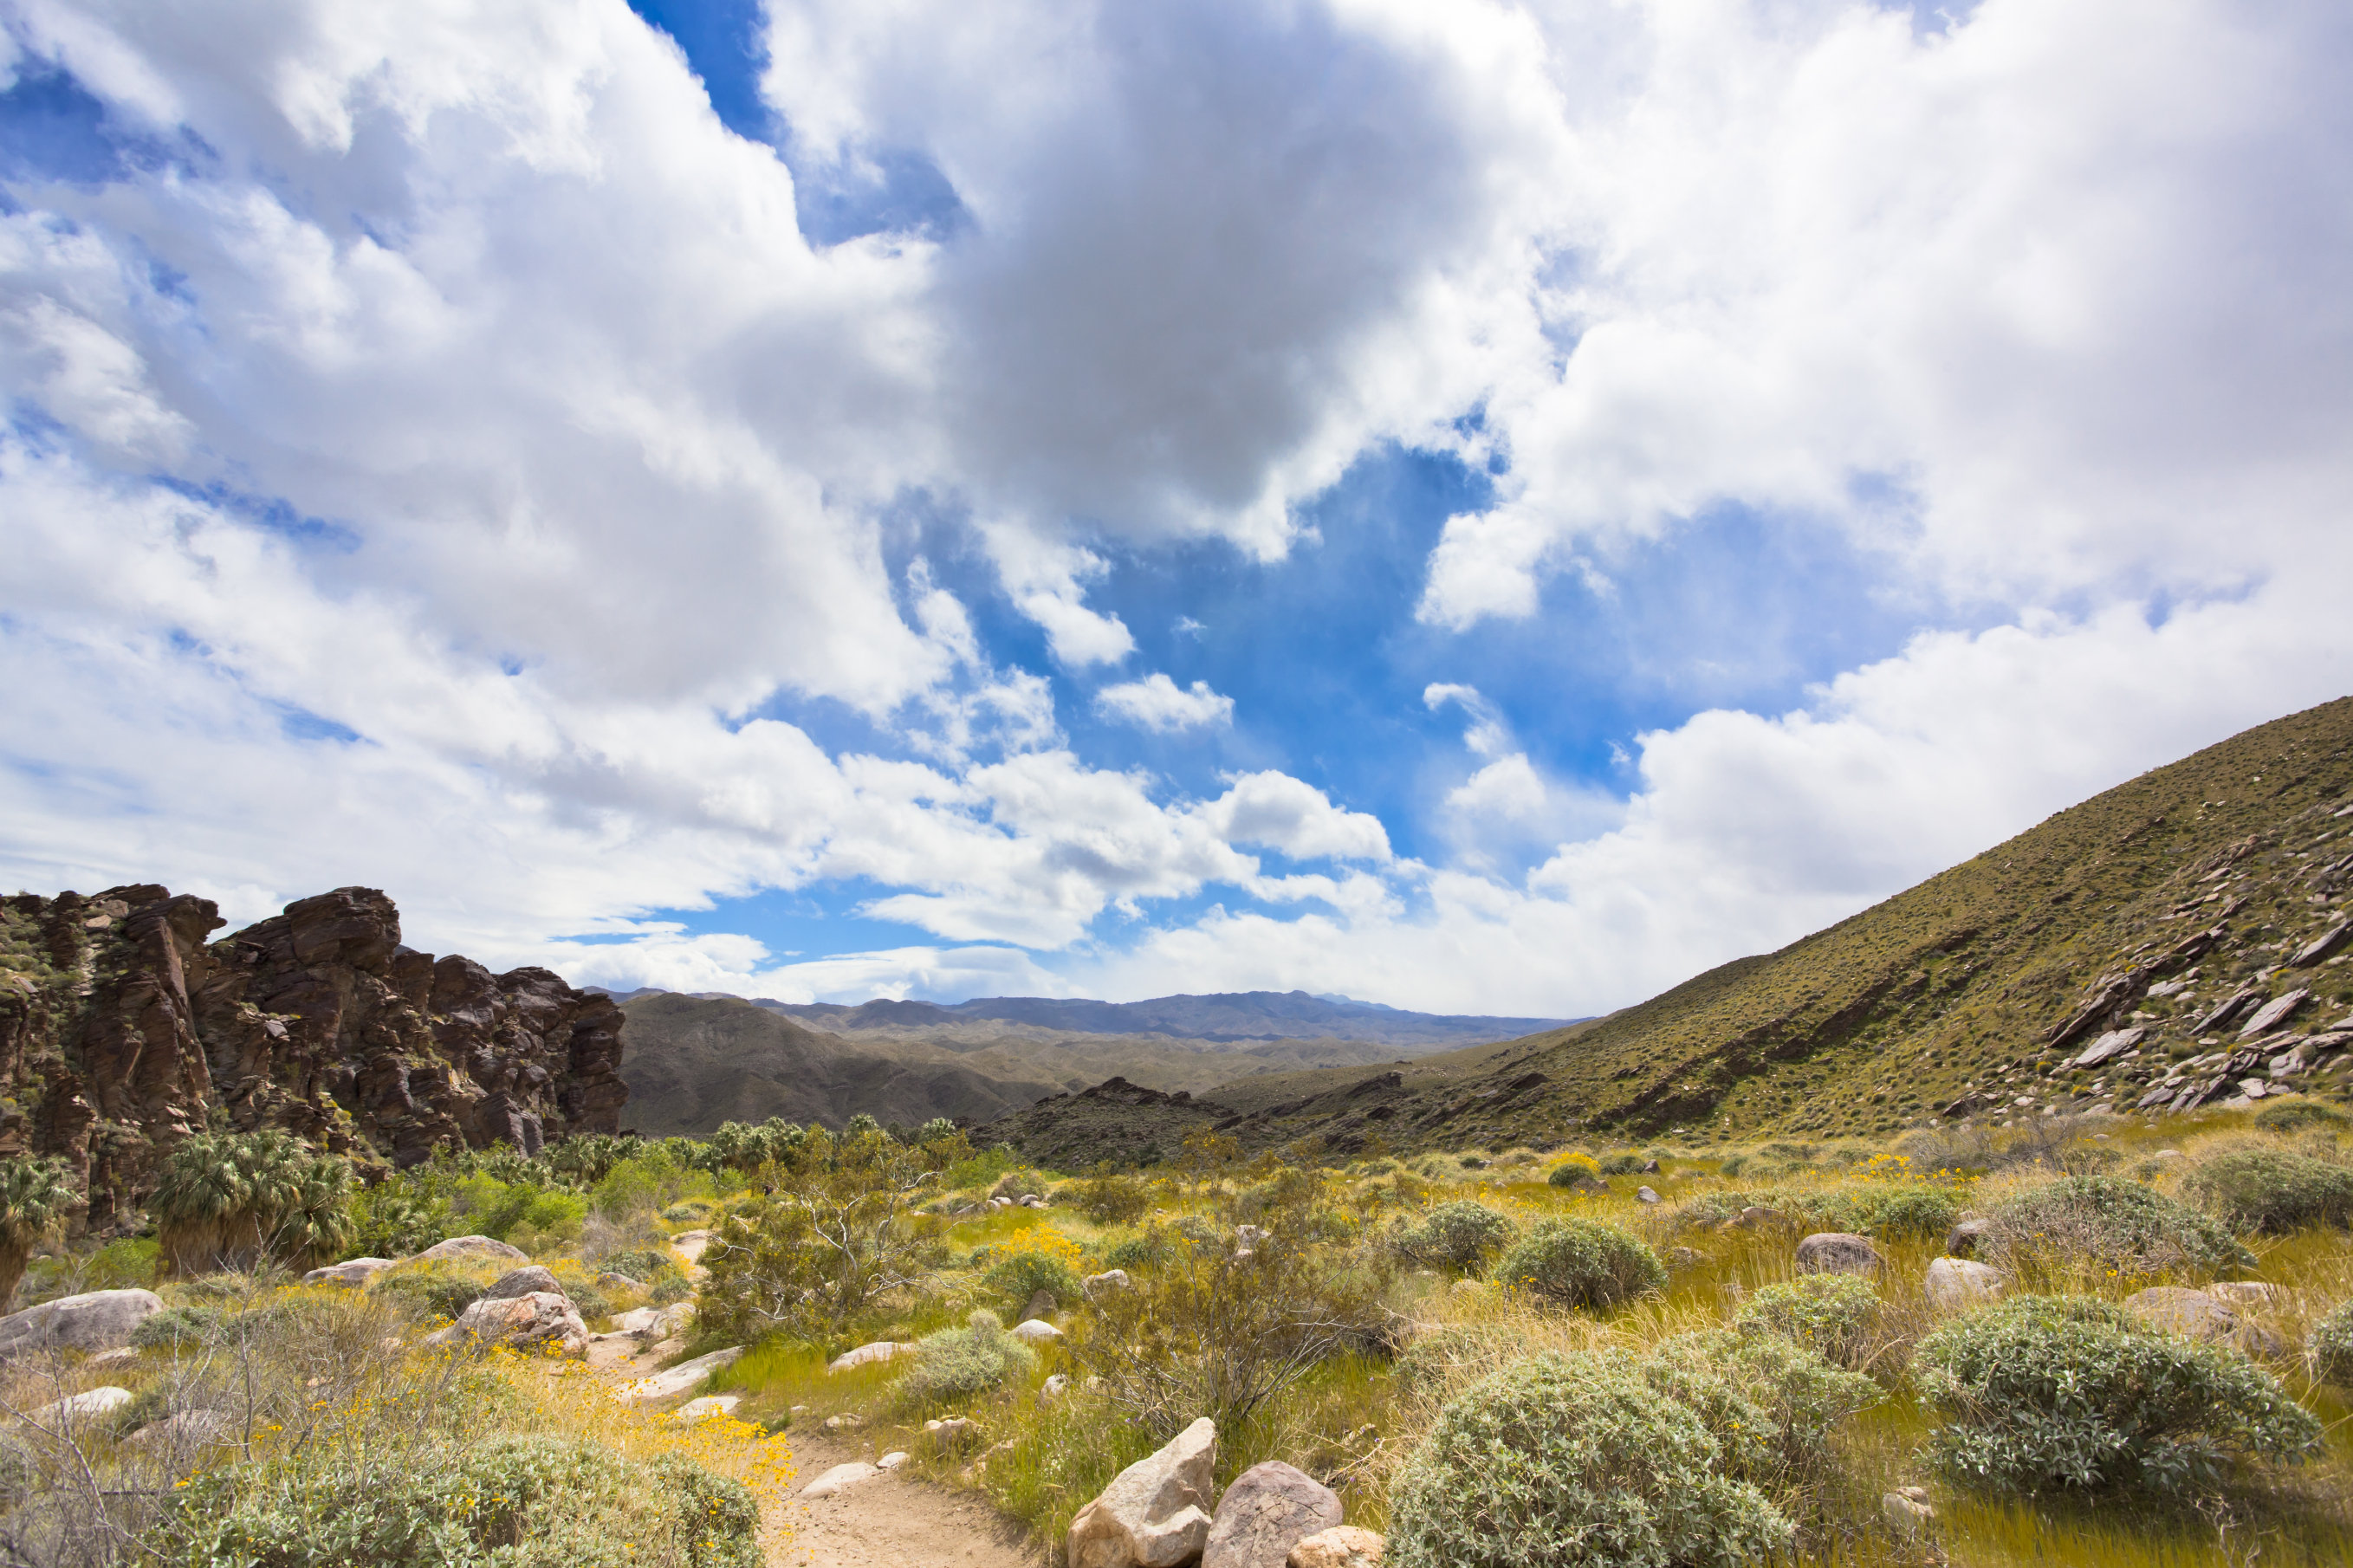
[2218, 879]
[1221, 1017]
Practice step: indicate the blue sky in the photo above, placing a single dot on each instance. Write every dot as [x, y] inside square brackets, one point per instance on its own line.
[1495, 509]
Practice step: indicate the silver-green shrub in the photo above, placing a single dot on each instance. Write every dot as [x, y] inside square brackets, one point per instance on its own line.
[2107, 1222]
[2271, 1190]
[1575, 1459]
[1770, 1401]
[1581, 1263]
[1459, 1235]
[2044, 1394]
[1831, 1314]
[2332, 1347]
[957, 1363]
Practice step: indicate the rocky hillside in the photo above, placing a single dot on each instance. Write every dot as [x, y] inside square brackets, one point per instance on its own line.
[122, 1030]
[2179, 940]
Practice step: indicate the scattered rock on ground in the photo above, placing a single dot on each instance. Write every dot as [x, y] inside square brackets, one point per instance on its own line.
[536, 1318]
[1109, 1279]
[476, 1247]
[92, 1322]
[1681, 1258]
[83, 1406]
[1052, 1388]
[707, 1406]
[849, 1421]
[1955, 1282]
[1964, 1239]
[1270, 1508]
[1346, 1546]
[1156, 1512]
[892, 1461]
[1757, 1216]
[1645, 1196]
[351, 1271]
[532, 1277]
[1908, 1515]
[1837, 1252]
[950, 1431]
[1036, 1331]
[881, 1350]
[2245, 1292]
[611, 1281]
[1042, 1302]
[680, 1378]
[839, 1478]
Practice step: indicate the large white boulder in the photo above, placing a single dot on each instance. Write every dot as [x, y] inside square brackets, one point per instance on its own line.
[1156, 1512]
[866, 1356]
[87, 1405]
[478, 1248]
[678, 1379]
[1955, 1282]
[93, 1321]
[534, 1319]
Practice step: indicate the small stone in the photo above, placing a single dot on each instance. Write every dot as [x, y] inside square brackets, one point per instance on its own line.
[2246, 1293]
[1837, 1252]
[847, 1422]
[610, 1282]
[950, 1431]
[1679, 1257]
[1908, 1515]
[2195, 1314]
[1645, 1196]
[1052, 1389]
[1345, 1546]
[839, 1478]
[92, 1322]
[1042, 1302]
[1268, 1509]
[1964, 1239]
[892, 1461]
[535, 1319]
[1109, 1279]
[678, 1379]
[189, 1429]
[1036, 1331]
[881, 1350]
[707, 1406]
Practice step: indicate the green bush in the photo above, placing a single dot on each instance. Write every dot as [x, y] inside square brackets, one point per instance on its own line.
[1563, 1459]
[2271, 1190]
[1442, 1357]
[1460, 1235]
[1574, 1172]
[177, 1328]
[1020, 1277]
[1581, 1263]
[518, 1502]
[658, 1272]
[1620, 1164]
[2296, 1115]
[1138, 1251]
[2332, 1347]
[425, 1292]
[957, 1363]
[2046, 1393]
[1831, 1314]
[1907, 1209]
[1769, 1401]
[2081, 1223]
[1110, 1198]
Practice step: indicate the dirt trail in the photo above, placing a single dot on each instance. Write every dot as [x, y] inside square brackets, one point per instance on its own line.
[888, 1522]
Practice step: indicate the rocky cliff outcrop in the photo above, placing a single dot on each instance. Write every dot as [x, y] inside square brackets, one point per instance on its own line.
[123, 1031]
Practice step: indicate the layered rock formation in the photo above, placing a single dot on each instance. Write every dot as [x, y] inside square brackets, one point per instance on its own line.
[123, 1031]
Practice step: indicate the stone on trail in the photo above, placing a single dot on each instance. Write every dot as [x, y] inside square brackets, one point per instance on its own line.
[350, 1271]
[523, 1281]
[1036, 1331]
[93, 1321]
[465, 1247]
[1270, 1508]
[1344, 1546]
[535, 1319]
[1955, 1282]
[678, 1379]
[1837, 1252]
[1155, 1513]
[839, 1478]
[881, 1350]
[892, 1461]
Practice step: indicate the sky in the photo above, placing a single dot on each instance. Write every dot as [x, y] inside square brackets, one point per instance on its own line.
[1482, 508]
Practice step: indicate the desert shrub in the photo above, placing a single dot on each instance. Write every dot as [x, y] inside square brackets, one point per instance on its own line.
[1020, 1184]
[1769, 1401]
[1138, 1251]
[2046, 1393]
[1905, 1209]
[2271, 1190]
[177, 1328]
[1451, 1354]
[1017, 1277]
[1472, 1163]
[956, 1364]
[519, 1501]
[1110, 1198]
[1460, 1235]
[2300, 1114]
[1213, 1332]
[1575, 1171]
[1831, 1314]
[1620, 1164]
[441, 1288]
[2332, 1347]
[393, 1220]
[658, 1272]
[2083, 1223]
[1573, 1459]
[1734, 1166]
[1581, 1263]
[980, 1170]
[646, 1184]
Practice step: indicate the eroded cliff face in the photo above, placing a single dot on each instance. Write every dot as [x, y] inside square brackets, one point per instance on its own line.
[123, 1031]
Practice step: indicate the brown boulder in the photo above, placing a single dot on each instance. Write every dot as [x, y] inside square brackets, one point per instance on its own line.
[1837, 1252]
[1270, 1508]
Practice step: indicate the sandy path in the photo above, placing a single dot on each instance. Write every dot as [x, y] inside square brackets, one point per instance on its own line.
[888, 1521]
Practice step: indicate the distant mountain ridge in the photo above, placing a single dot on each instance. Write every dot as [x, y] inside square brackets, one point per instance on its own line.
[1232, 1015]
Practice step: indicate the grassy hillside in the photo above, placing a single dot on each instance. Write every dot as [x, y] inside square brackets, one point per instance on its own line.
[2143, 908]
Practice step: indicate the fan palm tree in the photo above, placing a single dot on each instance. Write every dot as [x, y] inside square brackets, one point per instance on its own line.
[229, 1200]
[35, 1194]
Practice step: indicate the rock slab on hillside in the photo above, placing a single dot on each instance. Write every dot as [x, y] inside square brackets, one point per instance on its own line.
[1270, 1508]
[1156, 1512]
[91, 1322]
[135, 1032]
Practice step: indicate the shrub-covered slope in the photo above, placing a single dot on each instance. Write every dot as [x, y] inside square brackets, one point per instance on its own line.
[2218, 879]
